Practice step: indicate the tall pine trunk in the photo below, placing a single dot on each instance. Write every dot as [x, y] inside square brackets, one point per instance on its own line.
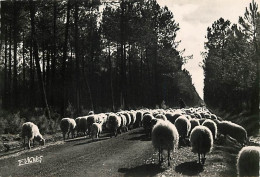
[37, 62]
[63, 70]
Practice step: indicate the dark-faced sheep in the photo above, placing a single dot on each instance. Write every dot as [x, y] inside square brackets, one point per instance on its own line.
[31, 131]
[201, 140]
[164, 137]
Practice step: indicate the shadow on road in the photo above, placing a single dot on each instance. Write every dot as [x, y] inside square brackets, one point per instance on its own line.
[143, 170]
[189, 168]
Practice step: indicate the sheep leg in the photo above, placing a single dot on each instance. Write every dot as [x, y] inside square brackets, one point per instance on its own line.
[29, 145]
[24, 143]
[199, 157]
[169, 157]
[64, 136]
[159, 156]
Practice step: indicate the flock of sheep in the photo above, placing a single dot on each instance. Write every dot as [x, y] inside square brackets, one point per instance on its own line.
[167, 129]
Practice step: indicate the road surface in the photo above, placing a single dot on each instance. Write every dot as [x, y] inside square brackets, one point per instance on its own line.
[129, 154]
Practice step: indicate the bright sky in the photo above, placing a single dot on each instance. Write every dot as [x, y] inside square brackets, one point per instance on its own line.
[194, 16]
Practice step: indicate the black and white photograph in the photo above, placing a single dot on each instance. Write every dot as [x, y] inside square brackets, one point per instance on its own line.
[129, 88]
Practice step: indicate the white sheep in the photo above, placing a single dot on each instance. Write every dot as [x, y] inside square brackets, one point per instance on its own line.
[67, 126]
[31, 131]
[248, 161]
[96, 130]
[164, 137]
[201, 140]
[233, 130]
[212, 126]
[183, 126]
[113, 123]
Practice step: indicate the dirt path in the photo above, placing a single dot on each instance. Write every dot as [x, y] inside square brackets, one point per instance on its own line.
[129, 154]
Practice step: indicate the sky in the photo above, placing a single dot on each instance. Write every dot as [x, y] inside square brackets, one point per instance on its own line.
[194, 16]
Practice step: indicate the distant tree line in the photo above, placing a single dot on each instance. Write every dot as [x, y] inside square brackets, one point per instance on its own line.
[231, 63]
[60, 53]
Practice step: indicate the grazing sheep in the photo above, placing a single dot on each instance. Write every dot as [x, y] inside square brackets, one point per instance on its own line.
[147, 124]
[67, 126]
[233, 130]
[183, 126]
[212, 126]
[96, 129]
[161, 116]
[31, 131]
[248, 160]
[201, 141]
[165, 137]
[193, 124]
[113, 123]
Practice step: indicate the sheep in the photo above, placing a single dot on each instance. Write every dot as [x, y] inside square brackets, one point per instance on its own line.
[212, 126]
[133, 119]
[113, 123]
[170, 117]
[91, 119]
[128, 119]
[193, 124]
[248, 160]
[201, 141]
[96, 129]
[78, 128]
[164, 137]
[147, 125]
[161, 116]
[139, 118]
[183, 126]
[233, 130]
[123, 123]
[31, 131]
[83, 126]
[67, 126]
